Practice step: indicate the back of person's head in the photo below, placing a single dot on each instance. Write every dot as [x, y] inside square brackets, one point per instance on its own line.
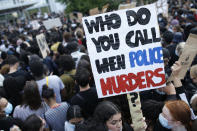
[12, 60]
[104, 111]
[82, 77]
[33, 123]
[151, 109]
[5, 69]
[31, 95]
[178, 37]
[180, 111]
[84, 64]
[67, 36]
[74, 112]
[168, 36]
[193, 103]
[67, 62]
[37, 68]
[47, 93]
[72, 46]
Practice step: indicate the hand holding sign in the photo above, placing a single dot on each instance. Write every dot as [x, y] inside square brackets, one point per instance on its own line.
[176, 68]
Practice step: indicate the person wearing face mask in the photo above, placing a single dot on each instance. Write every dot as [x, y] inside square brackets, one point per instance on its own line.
[6, 121]
[74, 117]
[106, 117]
[175, 116]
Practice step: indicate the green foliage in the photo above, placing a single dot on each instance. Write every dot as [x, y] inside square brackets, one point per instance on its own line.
[85, 5]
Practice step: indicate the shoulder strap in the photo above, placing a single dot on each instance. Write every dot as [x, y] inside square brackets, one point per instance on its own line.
[47, 81]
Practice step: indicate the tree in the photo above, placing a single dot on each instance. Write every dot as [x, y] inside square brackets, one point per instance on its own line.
[85, 5]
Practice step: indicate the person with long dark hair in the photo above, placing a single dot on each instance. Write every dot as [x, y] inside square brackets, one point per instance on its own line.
[107, 117]
[32, 102]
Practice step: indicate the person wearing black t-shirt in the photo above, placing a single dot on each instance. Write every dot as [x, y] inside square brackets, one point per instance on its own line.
[87, 97]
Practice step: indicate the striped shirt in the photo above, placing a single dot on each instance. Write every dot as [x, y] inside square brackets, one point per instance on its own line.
[56, 117]
[22, 112]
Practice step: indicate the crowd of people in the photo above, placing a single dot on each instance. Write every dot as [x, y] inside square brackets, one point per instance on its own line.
[58, 92]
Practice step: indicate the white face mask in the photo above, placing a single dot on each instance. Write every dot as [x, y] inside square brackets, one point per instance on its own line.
[8, 109]
[69, 127]
[164, 122]
[120, 130]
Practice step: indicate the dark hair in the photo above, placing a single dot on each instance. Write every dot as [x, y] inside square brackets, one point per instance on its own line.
[74, 112]
[32, 123]
[31, 95]
[168, 37]
[67, 36]
[72, 46]
[104, 111]
[47, 92]
[67, 62]
[166, 53]
[151, 109]
[37, 68]
[12, 60]
[82, 77]
[11, 86]
[3, 55]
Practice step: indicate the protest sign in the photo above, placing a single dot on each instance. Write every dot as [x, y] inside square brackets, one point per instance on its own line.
[44, 49]
[94, 11]
[162, 7]
[35, 24]
[51, 23]
[127, 6]
[135, 111]
[187, 56]
[125, 51]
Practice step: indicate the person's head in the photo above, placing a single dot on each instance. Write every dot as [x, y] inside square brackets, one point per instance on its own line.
[176, 114]
[34, 123]
[37, 68]
[74, 114]
[48, 94]
[5, 106]
[72, 46]
[178, 37]
[193, 73]
[82, 77]
[13, 61]
[5, 69]
[109, 115]
[31, 95]
[67, 62]
[151, 110]
[67, 36]
[193, 103]
[167, 37]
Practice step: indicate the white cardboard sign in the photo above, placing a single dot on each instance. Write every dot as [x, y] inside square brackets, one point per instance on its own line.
[42, 45]
[51, 23]
[125, 50]
[35, 24]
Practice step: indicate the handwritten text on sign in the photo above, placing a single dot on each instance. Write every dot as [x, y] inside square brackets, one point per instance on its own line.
[125, 50]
